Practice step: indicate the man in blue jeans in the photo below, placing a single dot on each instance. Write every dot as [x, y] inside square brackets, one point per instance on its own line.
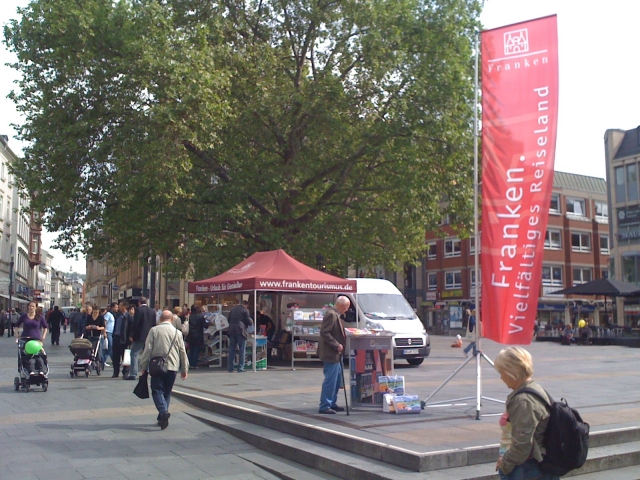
[239, 320]
[109, 321]
[330, 348]
[165, 341]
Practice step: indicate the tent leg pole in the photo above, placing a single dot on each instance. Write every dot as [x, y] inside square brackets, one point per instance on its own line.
[255, 327]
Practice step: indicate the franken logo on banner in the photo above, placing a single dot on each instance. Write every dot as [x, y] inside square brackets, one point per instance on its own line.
[516, 41]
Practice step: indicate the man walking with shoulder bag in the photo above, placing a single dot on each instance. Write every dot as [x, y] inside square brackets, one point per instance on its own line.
[164, 349]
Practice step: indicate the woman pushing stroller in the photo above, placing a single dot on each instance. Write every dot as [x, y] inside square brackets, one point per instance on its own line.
[34, 327]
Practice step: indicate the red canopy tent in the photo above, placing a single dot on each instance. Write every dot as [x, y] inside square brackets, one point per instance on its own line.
[272, 271]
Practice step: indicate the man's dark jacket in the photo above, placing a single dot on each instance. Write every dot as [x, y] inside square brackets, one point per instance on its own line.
[239, 321]
[143, 321]
[56, 318]
[122, 328]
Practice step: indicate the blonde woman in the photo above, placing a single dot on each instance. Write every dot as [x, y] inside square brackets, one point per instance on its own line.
[525, 420]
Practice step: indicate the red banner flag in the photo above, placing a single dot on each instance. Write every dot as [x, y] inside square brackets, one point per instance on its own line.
[519, 119]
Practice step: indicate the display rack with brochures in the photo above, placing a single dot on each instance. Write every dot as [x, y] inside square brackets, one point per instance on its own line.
[304, 325]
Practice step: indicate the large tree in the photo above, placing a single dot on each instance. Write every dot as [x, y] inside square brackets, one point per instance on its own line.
[213, 129]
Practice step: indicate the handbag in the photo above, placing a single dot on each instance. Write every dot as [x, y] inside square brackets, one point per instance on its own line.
[126, 360]
[142, 388]
[158, 365]
[185, 328]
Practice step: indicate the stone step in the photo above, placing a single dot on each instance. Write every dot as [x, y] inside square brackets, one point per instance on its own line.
[625, 473]
[347, 465]
[601, 462]
[283, 468]
[407, 458]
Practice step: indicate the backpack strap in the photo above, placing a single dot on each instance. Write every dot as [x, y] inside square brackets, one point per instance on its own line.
[531, 391]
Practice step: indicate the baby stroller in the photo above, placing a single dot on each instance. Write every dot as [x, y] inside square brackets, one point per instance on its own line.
[32, 369]
[86, 356]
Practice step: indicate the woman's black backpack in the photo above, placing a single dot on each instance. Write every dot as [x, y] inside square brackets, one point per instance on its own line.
[566, 439]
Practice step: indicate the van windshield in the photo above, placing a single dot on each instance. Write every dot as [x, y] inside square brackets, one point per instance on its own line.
[381, 306]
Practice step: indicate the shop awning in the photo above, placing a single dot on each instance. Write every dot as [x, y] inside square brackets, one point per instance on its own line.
[14, 298]
[273, 271]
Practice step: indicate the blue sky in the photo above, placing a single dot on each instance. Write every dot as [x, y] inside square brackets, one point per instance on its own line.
[598, 82]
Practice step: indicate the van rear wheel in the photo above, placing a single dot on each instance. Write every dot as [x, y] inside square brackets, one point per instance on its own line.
[415, 361]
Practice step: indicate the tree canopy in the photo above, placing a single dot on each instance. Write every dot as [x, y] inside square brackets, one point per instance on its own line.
[209, 130]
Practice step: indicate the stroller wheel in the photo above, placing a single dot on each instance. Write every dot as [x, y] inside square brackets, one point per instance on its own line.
[71, 374]
[86, 373]
[98, 370]
[45, 386]
[27, 387]
[16, 384]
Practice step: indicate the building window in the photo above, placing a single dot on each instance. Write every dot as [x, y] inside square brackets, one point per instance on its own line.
[553, 240]
[551, 275]
[473, 277]
[620, 190]
[432, 281]
[602, 210]
[604, 273]
[34, 245]
[105, 290]
[3, 172]
[472, 246]
[554, 205]
[632, 183]
[604, 244]
[576, 206]
[452, 280]
[630, 268]
[581, 275]
[445, 220]
[581, 242]
[432, 251]
[452, 248]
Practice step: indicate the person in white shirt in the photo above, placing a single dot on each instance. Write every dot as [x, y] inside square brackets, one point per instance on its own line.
[109, 322]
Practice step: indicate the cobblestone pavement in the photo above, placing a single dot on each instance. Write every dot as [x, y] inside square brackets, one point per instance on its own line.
[95, 428]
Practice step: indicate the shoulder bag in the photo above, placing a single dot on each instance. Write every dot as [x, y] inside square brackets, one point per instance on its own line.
[158, 365]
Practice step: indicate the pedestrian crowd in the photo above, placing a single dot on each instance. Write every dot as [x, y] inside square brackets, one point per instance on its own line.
[136, 332]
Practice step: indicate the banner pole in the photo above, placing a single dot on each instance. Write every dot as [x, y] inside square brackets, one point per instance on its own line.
[476, 265]
[255, 330]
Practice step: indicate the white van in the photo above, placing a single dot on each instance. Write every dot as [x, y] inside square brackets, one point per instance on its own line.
[381, 303]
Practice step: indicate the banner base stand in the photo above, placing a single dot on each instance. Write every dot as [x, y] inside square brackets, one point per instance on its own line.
[478, 356]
